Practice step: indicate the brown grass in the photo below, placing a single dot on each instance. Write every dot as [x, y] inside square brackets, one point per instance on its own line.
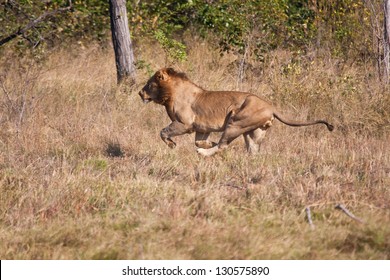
[84, 175]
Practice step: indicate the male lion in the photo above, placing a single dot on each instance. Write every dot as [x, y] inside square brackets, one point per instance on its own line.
[193, 109]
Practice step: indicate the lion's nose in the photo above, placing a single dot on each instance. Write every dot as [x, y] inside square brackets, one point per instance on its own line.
[144, 96]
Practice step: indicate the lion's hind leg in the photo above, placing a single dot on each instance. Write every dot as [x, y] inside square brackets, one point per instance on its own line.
[253, 140]
[251, 146]
[231, 132]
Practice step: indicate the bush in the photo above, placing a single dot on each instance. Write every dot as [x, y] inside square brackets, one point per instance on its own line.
[261, 25]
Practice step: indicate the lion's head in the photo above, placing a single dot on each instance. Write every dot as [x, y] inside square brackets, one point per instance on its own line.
[157, 88]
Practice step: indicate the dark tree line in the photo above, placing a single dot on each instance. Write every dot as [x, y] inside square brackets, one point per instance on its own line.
[350, 29]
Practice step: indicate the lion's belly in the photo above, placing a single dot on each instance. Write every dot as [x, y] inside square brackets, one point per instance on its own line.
[207, 125]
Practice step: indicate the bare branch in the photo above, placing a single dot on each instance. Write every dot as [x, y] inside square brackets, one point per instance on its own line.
[349, 214]
[34, 23]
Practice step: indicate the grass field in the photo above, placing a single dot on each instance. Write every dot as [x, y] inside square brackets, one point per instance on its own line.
[84, 174]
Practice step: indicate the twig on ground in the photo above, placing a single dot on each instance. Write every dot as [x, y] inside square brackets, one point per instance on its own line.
[308, 214]
[349, 214]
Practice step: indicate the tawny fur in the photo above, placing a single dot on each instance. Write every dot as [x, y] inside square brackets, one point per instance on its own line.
[193, 109]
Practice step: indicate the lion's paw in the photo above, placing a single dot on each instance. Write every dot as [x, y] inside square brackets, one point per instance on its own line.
[207, 152]
[171, 145]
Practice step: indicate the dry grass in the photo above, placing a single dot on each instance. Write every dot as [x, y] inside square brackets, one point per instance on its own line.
[84, 175]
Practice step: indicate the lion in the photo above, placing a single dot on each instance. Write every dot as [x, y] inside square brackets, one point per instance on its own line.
[194, 109]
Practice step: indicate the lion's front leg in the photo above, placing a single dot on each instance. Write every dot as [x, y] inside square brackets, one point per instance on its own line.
[201, 140]
[174, 129]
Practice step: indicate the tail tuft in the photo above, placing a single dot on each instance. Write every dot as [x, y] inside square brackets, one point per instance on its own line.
[329, 126]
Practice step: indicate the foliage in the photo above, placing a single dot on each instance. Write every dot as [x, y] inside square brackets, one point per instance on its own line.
[264, 25]
[160, 20]
[261, 25]
[346, 25]
[87, 21]
[267, 24]
[174, 49]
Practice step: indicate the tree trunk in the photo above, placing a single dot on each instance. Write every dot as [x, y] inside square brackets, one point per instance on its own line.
[121, 40]
[386, 40]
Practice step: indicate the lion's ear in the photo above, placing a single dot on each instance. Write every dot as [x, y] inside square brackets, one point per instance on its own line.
[162, 75]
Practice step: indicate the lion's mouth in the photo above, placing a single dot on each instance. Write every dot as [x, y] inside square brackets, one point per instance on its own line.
[144, 97]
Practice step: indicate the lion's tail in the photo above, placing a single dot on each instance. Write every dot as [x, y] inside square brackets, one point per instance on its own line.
[296, 123]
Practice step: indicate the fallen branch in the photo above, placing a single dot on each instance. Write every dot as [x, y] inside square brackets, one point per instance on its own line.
[349, 214]
[308, 213]
[34, 23]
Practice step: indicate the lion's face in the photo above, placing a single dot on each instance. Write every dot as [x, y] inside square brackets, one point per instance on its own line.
[154, 88]
[150, 91]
